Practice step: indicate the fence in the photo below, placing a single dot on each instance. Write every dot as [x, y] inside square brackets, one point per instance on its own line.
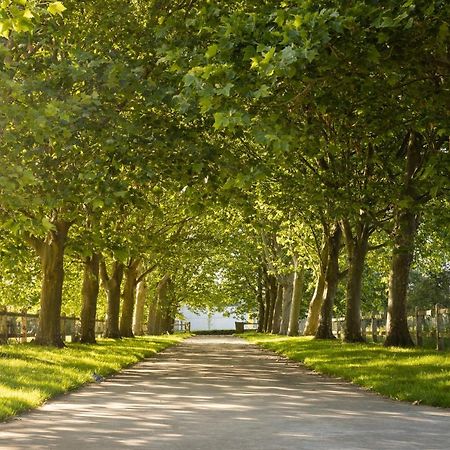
[22, 327]
[426, 325]
[181, 326]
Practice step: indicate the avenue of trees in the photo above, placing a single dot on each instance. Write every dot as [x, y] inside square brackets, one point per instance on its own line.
[289, 159]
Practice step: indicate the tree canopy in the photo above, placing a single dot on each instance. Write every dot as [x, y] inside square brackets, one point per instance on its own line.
[286, 159]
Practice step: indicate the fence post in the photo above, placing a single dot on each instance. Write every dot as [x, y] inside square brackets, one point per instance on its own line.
[374, 327]
[3, 326]
[63, 327]
[363, 328]
[23, 326]
[439, 337]
[419, 328]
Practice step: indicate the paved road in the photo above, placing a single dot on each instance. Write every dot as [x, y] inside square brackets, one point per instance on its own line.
[220, 393]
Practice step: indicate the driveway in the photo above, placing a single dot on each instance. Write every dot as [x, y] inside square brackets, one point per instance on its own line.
[221, 393]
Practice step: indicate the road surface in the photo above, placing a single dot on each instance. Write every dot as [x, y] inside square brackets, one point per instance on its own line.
[221, 393]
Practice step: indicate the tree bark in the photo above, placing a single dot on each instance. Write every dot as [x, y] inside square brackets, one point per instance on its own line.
[159, 309]
[89, 294]
[402, 256]
[112, 288]
[129, 294]
[271, 292]
[138, 319]
[297, 295]
[288, 286]
[312, 319]
[357, 247]
[406, 220]
[152, 316]
[51, 255]
[262, 309]
[267, 300]
[325, 329]
[276, 322]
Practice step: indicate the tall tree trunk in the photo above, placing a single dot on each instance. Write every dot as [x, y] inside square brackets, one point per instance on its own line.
[267, 300]
[406, 221]
[152, 316]
[276, 322]
[129, 293]
[272, 293]
[51, 255]
[262, 309]
[402, 255]
[89, 294]
[325, 329]
[161, 304]
[288, 286]
[357, 247]
[138, 318]
[112, 288]
[312, 319]
[297, 295]
[168, 321]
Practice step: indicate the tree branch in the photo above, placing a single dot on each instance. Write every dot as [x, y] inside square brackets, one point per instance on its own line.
[144, 274]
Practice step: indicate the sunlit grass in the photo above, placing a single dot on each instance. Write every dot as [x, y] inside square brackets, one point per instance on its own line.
[414, 375]
[30, 375]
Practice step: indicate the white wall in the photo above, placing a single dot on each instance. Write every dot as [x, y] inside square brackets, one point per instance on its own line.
[207, 322]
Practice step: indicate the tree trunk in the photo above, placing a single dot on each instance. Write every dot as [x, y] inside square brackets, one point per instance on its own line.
[325, 329]
[297, 295]
[397, 332]
[51, 254]
[271, 287]
[160, 306]
[129, 294]
[288, 286]
[138, 319]
[89, 294]
[357, 248]
[152, 316]
[312, 319]
[276, 322]
[406, 221]
[112, 288]
[262, 309]
[267, 299]
[168, 322]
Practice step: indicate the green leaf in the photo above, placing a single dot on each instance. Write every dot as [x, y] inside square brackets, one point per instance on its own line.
[56, 8]
[262, 92]
[226, 89]
[47, 224]
[220, 120]
[212, 51]
[268, 56]
[205, 104]
[28, 14]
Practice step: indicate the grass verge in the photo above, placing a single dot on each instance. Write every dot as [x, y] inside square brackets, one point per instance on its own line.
[30, 375]
[413, 375]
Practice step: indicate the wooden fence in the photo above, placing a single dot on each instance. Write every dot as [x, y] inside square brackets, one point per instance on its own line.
[22, 327]
[433, 324]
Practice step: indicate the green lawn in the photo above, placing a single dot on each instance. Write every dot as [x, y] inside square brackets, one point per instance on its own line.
[29, 375]
[402, 374]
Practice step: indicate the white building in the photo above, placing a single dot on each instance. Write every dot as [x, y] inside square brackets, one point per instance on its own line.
[208, 321]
